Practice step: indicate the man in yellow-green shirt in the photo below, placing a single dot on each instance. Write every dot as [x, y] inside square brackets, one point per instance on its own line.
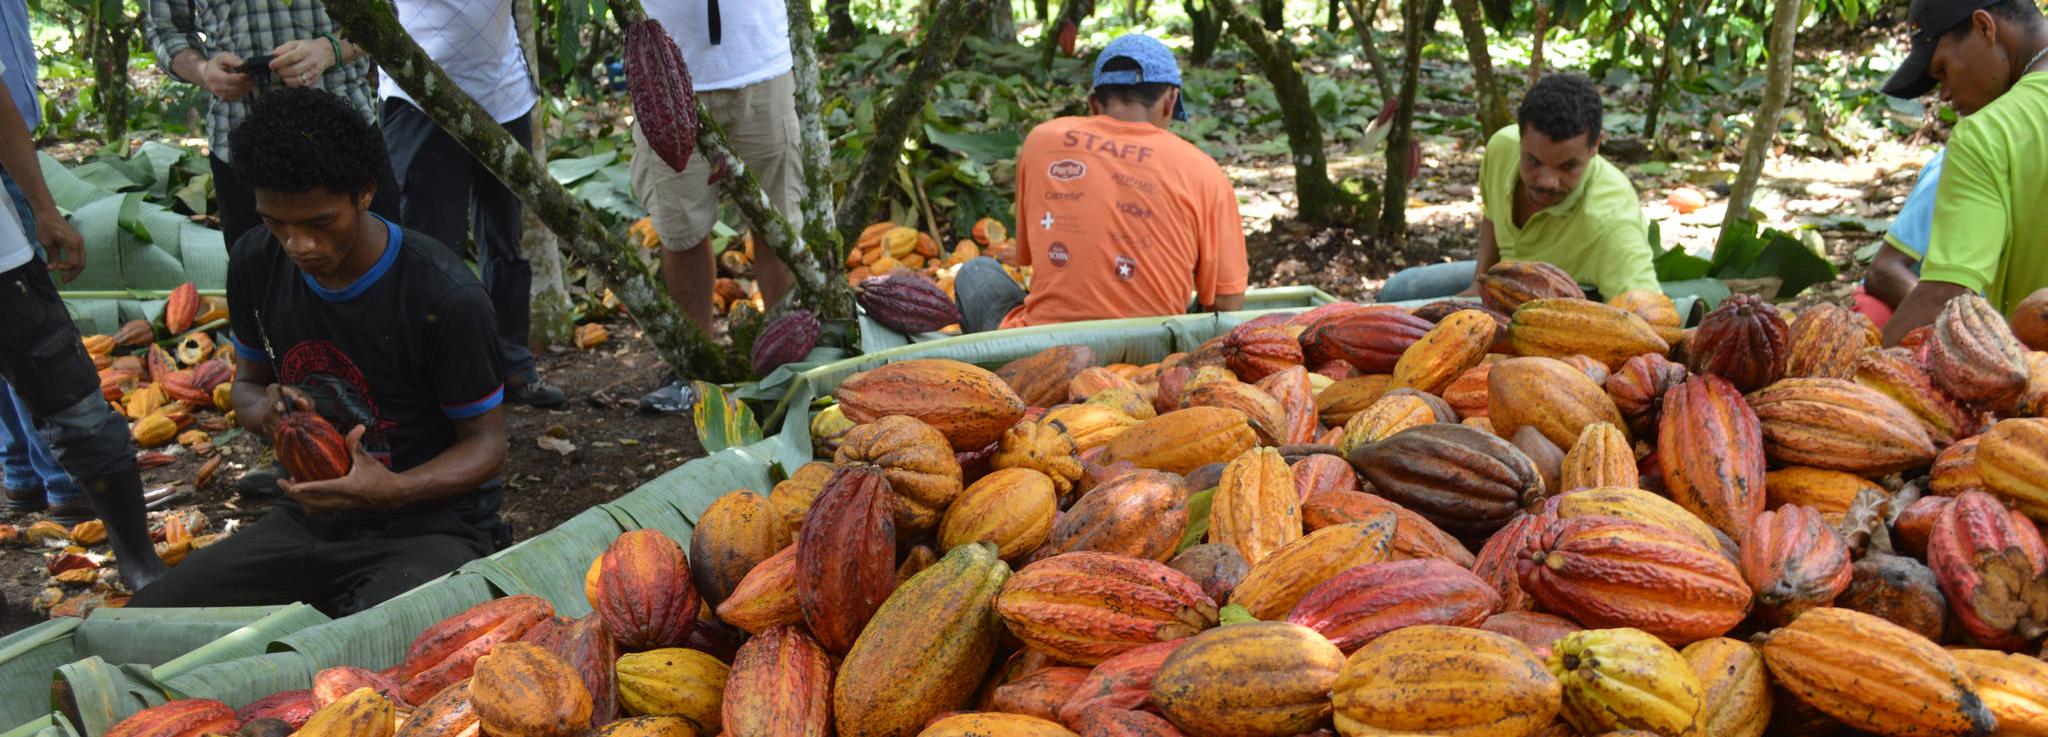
[1990, 232]
[1549, 196]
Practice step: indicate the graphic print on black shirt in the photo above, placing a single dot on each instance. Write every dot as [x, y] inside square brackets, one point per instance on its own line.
[410, 344]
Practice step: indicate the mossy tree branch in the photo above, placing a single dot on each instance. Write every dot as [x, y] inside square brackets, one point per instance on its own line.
[1318, 199]
[944, 32]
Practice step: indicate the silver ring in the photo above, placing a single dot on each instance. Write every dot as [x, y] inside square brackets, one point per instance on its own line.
[305, 78]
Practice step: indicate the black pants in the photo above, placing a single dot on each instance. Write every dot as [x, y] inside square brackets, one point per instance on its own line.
[449, 196]
[41, 356]
[340, 564]
[985, 294]
[238, 202]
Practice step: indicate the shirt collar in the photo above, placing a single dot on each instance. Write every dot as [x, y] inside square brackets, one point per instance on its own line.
[369, 278]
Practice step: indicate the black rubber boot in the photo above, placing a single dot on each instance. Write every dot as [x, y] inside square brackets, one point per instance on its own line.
[117, 497]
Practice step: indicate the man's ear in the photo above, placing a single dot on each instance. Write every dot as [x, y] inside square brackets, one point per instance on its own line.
[1166, 103]
[1094, 105]
[365, 197]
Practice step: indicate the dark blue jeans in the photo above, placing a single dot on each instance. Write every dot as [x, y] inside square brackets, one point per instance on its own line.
[25, 460]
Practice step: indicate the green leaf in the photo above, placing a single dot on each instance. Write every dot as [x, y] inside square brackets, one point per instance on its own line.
[1234, 614]
[983, 147]
[1677, 265]
[723, 421]
[1198, 518]
[570, 171]
[1748, 252]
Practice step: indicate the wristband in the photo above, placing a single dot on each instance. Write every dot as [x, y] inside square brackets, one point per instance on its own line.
[339, 58]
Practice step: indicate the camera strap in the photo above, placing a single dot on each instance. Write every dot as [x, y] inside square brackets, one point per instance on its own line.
[711, 19]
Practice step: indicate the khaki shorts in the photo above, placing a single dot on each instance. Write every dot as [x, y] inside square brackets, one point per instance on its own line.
[760, 121]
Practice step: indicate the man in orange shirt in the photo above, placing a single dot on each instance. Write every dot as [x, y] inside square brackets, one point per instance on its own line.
[1116, 215]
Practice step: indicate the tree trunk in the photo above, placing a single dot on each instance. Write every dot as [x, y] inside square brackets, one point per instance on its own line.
[1536, 47]
[1274, 14]
[1206, 30]
[1320, 199]
[372, 25]
[111, 27]
[942, 38]
[1493, 105]
[553, 313]
[821, 227]
[1417, 16]
[839, 14]
[1335, 19]
[1002, 22]
[1071, 11]
[1784, 33]
[1361, 21]
[1041, 8]
[1658, 83]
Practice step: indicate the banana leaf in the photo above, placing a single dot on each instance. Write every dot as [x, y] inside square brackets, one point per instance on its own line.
[26, 660]
[874, 338]
[132, 246]
[243, 680]
[159, 636]
[47, 725]
[722, 420]
[377, 637]
[552, 565]
[100, 694]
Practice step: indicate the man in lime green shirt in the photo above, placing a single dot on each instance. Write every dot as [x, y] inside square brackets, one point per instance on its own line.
[1549, 196]
[1990, 231]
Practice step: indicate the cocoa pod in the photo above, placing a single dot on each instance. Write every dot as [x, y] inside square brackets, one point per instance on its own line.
[1711, 454]
[447, 651]
[732, 537]
[1465, 481]
[1216, 568]
[846, 556]
[1825, 341]
[1371, 600]
[1444, 680]
[1039, 693]
[780, 686]
[1874, 675]
[1988, 559]
[1895, 373]
[1638, 388]
[1255, 352]
[1371, 339]
[1012, 508]
[1183, 440]
[664, 102]
[1279, 581]
[1744, 341]
[310, 449]
[1794, 562]
[1601, 457]
[1612, 572]
[1549, 395]
[1256, 509]
[907, 303]
[1734, 686]
[1258, 679]
[1899, 590]
[1447, 350]
[1973, 355]
[1561, 328]
[969, 405]
[1087, 607]
[1141, 514]
[915, 458]
[2011, 460]
[1508, 284]
[1042, 379]
[1839, 425]
[522, 689]
[644, 591]
[2013, 686]
[1537, 630]
[925, 650]
[180, 718]
[1415, 537]
[786, 339]
[1625, 678]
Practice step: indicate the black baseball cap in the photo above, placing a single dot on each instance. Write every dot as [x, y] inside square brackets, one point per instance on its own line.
[1930, 19]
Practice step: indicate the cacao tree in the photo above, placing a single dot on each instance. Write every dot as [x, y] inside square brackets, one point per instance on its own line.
[1361, 22]
[1319, 199]
[1417, 17]
[839, 13]
[943, 33]
[110, 31]
[1206, 28]
[820, 222]
[1778, 84]
[554, 314]
[1493, 105]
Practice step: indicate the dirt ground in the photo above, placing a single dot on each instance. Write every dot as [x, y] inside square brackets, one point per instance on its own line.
[616, 450]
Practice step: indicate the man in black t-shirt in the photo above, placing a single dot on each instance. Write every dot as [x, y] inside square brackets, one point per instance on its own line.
[386, 334]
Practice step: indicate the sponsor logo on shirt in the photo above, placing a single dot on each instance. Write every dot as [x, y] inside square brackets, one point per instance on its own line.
[1064, 196]
[1057, 254]
[1126, 267]
[1066, 170]
[1131, 182]
[1126, 240]
[1135, 210]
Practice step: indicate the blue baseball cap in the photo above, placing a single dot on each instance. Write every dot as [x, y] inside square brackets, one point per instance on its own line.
[1155, 65]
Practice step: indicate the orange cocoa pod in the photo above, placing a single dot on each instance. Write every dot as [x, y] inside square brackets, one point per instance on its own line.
[1040, 693]
[181, 307]
[446, 652]
[310, 449]
[1257, 679]
[1710, 450]
[1093, 379]
[1656, 309]
[922, 471]
[333, 684]
[1794, 562]
[1363, 603]
[1447, 350]
[1825, 341]
[644, 592]
[846, 556]
[1467, 394]
[2013, 686]
[1322, 473]
[1601, 457]
[1559, 328]
[1973, 354]
[588, 650]
[1895, 373]
[1386, 417]
[1088, 607]
[1636, 505]
[968, 405]
[2011, 458]
[1839, 425]
[1183, 440]
[1279, 581]
[1013, 508]
[1254, 353]
[766, 598]
[1291, 387]
[448, 713]
[1256, 509]
[293, 708]
[1744, 340]
[1508, 284]
[1121, 682]
[1415, 537]
[522, 689]
[1955, 469]
[1549, 395]
[1537, 630]
[134, 334]
[1268, 419]
[1042, 447]
[1041, 378]
[1674, 587]
[780, 686]
[926, 650]
[734, 535]
[1338, 402]
[180, 718]
[1445, 680]
[1734, 686]
[1874, 675]
[1827, 492]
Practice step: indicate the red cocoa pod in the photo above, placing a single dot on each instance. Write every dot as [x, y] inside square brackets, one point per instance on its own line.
[1414, 535]
[1142, 514]
[181, 718]
[1297, 398]
[1973, 355]
[1510, 283]
[1039, 693]
[1320, 473]
[644, 593]
[1794, 562]
[446, 652]
[1497, 562]
[1108, 722]
[907, 303]
[1915, 524]
[291, 707]
[1895, 373]
[1988, 560]
[1088, 607]
[1370, 339]
[1825, 341]
[1537, 630]
[310, 449]
[1638, 389]
[1254, 353]
[1710, 445]
[846, 556]
[780, 686]
[181, 307]
[588, 650]
[664, 102]
[1043, 379]
[1121, 682]
[331, 684]
[1371, 600]
[1216, 567]
[1610, 572]
[786, 340]
[1744, 340]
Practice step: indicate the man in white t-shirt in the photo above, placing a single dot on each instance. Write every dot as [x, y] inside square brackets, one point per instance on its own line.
[446, 193]
[738, 54]
[42, 357]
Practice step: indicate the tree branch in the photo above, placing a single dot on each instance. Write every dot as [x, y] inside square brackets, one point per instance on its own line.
[1493, 106]
[1319, 200]
[1361, 23]
[1417, 16]
[1784, 33]
[820, 222]
[942, 38]
[373, 25]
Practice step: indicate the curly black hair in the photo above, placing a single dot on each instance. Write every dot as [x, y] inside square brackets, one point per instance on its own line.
[296, 139]
[1562, 106]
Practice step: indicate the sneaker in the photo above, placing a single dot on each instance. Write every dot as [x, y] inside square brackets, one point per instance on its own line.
[26, 501]
[261, 482]
[672, 398]
[538, 394]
